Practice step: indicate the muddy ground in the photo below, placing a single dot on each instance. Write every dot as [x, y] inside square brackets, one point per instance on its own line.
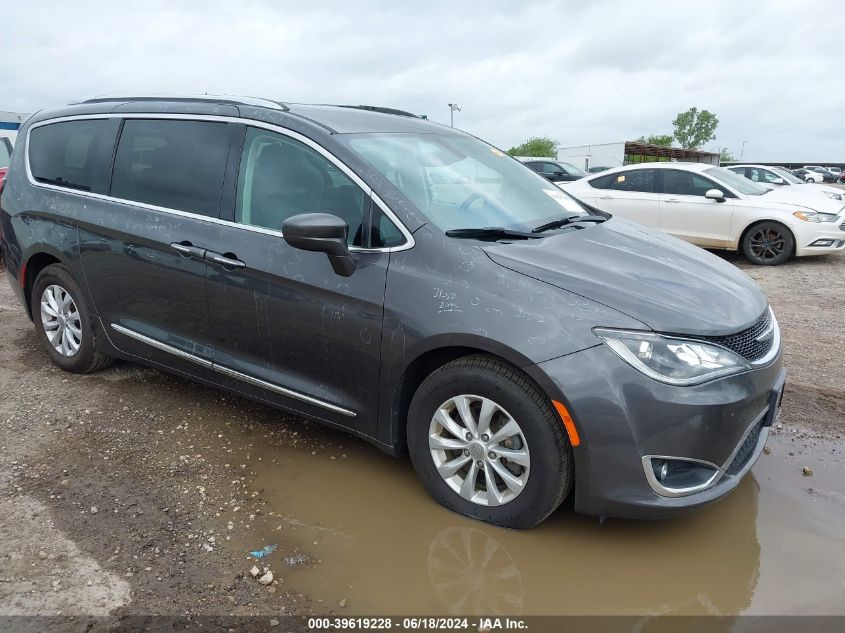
[131, 491]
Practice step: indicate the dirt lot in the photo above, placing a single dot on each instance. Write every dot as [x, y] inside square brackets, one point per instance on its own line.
[133, 492]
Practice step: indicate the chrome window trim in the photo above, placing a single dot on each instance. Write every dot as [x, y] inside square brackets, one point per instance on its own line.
[221, 369]
[721, 471]
[409, 238]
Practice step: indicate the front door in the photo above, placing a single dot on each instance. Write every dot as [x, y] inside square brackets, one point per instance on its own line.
[288, 329]
[687, 214]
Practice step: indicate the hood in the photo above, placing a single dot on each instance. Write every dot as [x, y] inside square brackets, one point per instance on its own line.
[667, 284]
[799, 198]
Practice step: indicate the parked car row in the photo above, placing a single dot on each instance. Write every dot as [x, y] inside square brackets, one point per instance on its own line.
[715, 207]
[816, 173]
[781, 177]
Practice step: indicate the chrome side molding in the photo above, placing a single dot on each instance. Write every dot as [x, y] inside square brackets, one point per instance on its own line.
[230, 372]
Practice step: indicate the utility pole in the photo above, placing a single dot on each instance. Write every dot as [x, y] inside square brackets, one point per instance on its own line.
[742, 151]
[452, 108]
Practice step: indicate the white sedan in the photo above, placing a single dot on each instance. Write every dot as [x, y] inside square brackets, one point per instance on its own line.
[716, 208]
[780, 177]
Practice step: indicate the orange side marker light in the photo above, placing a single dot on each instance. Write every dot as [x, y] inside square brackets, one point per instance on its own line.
[571, 431]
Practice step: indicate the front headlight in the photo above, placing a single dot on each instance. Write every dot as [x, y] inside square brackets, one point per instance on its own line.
[834, 195]
[813, 216]
[675, 361]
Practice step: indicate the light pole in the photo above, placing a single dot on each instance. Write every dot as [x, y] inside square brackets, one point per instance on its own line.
[742, 151]
[452, 108]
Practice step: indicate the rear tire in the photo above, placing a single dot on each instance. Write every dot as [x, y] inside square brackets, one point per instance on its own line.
[768, 244]
[517, 491]
[65, 323]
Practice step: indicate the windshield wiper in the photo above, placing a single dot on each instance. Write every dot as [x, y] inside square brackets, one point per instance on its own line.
[490, 233]
[569, 219]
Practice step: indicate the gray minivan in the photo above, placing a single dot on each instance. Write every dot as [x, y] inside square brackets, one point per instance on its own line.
[403, 281]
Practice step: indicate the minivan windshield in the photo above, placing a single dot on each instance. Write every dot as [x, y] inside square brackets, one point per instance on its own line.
[460, 182]
[735, 181]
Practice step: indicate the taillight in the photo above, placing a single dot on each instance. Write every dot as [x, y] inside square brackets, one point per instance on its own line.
[2, 184]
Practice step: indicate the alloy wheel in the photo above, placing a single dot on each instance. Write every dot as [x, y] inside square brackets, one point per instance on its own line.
[767, 244]
[61, 320]
[479, 450]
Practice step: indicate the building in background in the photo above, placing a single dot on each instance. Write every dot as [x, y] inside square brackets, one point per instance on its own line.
[609, 155]
[10, 122]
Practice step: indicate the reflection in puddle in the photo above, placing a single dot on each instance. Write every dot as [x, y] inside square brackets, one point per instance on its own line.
[471, 572]
[383, 546]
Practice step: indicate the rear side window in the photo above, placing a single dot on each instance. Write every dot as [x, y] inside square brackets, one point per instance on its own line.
[172, 164]
[73, 154]
[640, 180]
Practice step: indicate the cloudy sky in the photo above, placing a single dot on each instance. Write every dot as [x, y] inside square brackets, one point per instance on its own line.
[580, 72]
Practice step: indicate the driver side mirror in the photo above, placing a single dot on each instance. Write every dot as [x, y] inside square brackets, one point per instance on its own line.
[715, 194]
[322, 233]
[778, 181]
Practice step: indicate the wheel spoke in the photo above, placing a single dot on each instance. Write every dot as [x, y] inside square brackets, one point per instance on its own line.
[443, 418]
[518, 456]
[74, 329]
[488, 408]
[462, 405]
[513, 483]
[49, 294]
[508, 430]
[47, 308]
[438, 442]
[449, 468]
[494, 497]
[65, 347]
[468, 487]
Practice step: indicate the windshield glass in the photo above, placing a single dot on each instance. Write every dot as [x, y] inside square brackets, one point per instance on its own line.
[735, 181]
[460, 182]
[788, 177]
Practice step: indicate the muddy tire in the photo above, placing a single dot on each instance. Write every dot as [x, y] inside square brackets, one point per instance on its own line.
[65, 323]
[486, 442]
[768, 244]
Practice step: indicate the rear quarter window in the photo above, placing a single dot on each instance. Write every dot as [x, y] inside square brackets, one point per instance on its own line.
[73, 154]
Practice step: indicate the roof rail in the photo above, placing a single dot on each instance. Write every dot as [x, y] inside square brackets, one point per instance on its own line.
[381, 109]
[206, 98]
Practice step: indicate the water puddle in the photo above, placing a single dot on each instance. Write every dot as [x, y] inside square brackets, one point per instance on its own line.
[380, 545]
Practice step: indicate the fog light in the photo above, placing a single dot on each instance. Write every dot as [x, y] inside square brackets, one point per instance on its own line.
[823, 243]
[677, 477]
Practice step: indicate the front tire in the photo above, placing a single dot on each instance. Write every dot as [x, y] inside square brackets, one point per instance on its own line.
[65, 323]
[768, 244]
[486, 443]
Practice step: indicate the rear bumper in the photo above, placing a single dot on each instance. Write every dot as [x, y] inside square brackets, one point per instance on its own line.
[622, 416]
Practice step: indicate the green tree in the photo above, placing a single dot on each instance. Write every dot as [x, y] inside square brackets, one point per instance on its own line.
[726, 157]
[656, 139]
[695, 127]
[536, 146]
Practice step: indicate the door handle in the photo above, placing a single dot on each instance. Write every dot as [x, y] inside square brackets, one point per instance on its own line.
[605, 197]
[671, 200]
[187, 249]
[227, 260]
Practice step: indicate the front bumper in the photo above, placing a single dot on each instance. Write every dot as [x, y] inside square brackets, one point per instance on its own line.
[809, 234]
[623, 416]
